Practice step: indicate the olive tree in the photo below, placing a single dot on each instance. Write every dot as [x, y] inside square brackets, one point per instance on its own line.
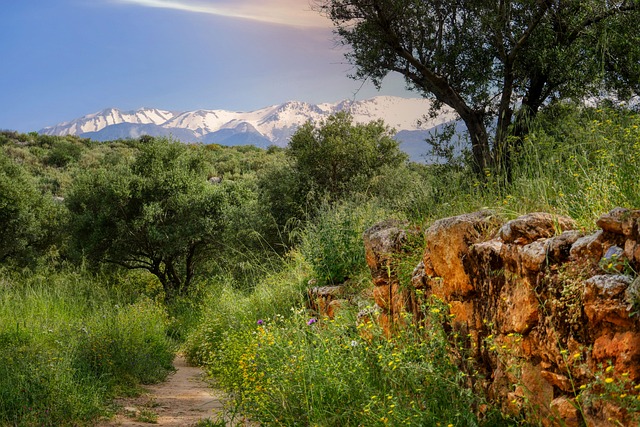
[338, 157]
[158, 213]
[495, 62]
[26, 215]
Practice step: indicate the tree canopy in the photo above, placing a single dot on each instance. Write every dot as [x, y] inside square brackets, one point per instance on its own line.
[26, 215]
[337, 157]
[158, 213]
[496, 63]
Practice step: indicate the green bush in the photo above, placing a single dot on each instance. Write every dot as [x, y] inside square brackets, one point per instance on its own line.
[67, 346]
[332, 243]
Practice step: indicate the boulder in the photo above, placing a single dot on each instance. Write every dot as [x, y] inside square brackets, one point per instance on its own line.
[604, 300]
[588, 247]
[448, 241]
[531, 227]
[620, 221]
[381, 242]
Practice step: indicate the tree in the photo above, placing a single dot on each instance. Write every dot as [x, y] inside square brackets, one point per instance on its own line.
[495, 62]
[25, 214]
[159, 214]
[337, 157]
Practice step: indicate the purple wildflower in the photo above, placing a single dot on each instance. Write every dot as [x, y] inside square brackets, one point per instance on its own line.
[260, 322]
[311, 321]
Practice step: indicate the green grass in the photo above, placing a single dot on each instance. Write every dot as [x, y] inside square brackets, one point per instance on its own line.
[284, 371]
[70, 340]
[67, 347]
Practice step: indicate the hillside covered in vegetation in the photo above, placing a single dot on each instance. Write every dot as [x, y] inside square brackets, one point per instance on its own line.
[116, 255]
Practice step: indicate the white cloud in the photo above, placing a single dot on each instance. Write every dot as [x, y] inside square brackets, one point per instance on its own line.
[296, 13]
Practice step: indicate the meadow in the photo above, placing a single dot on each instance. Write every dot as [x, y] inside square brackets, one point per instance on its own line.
[83, 320]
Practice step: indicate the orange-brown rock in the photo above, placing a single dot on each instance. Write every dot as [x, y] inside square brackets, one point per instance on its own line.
[518, 310]
[557, 380]
[604, 300]
[334, 307]
[390, 298]
[320, 298]
[538, 319]
[531, 227]
[620, 348]
[620, 221]
[382, 243]
[588, 247]
[537, 389]
[564, 413]
[448, 241]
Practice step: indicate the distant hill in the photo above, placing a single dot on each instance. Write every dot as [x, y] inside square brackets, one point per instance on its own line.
[270, 125]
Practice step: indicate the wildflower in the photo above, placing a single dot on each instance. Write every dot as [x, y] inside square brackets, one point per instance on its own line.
[609, 369]
[311, 321]
[608, 380]
[260, 322]
[435, 310]
[354, 343]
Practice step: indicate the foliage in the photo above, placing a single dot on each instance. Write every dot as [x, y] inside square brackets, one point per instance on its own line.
[338, 158]
[494, 62]
[70, 339]
[158, 214]
[332, 243]
[291, 370]
[27, 218]
[67, 345]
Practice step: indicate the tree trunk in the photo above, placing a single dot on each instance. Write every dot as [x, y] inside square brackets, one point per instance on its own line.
[479, 142]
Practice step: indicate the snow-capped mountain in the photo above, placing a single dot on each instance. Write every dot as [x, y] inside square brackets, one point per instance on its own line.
[270, 125]
[109, 117]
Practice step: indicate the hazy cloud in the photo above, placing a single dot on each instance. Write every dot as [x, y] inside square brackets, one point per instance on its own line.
[295, 13]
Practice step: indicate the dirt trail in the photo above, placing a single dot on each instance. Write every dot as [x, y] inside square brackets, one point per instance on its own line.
[183, 400]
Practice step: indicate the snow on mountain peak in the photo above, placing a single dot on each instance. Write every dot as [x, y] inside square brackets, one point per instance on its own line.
[276, 123]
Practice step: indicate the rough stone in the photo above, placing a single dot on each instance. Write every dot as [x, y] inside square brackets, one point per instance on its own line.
[389, 298]
[419, 278]
[382, 242]
[321, 297]
[529, 322]
[518, 309]
[538, 391]
[564, 412]
[448, 242]
[531, 227]
[558, 248]
[334, 307]
[588, 247]
[557, 380]
[620, 221]
[603, 300]
[533, 256]
[622, 349]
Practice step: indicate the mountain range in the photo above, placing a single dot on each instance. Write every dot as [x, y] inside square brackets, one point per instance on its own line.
[271, 125]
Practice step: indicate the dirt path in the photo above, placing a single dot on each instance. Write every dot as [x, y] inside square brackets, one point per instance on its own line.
[183, 400]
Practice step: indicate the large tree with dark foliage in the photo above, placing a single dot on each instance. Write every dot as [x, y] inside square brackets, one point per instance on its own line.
[495, 62]
[158, 213]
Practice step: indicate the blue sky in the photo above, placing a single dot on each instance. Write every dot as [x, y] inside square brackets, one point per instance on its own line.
[63, 59]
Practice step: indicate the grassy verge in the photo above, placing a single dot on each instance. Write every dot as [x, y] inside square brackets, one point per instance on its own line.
[67, 345]
[285, 367]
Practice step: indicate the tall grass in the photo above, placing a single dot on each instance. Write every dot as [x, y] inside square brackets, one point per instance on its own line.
[67, 346]
[286, 367]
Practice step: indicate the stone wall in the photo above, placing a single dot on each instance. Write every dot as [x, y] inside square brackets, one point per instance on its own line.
[547, 312]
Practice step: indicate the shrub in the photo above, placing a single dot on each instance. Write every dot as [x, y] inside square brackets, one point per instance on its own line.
[332, 243]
